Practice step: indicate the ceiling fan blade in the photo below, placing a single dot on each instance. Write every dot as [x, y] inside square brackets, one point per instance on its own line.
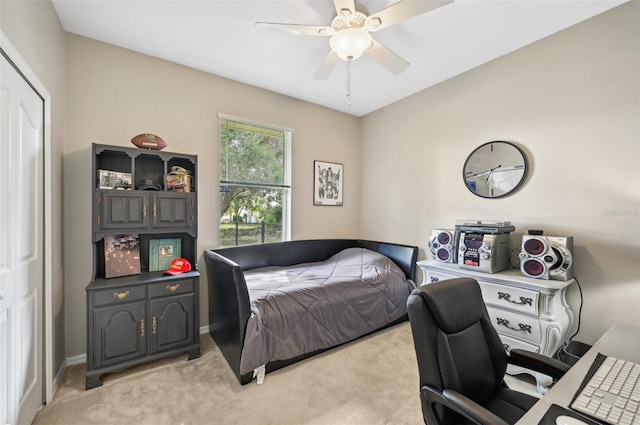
[327, 66]
[403, 10]
[294, 28]
[342, 6]
[386, 58]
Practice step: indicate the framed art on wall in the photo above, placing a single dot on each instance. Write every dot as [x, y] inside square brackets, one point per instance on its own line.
[327, 183]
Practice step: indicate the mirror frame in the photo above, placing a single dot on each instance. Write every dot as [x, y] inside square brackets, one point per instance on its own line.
[476, 151]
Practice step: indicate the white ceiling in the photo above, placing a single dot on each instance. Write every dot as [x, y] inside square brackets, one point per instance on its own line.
[219, 37]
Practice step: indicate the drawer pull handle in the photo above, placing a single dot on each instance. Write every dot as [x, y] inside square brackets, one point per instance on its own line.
[507, 297]
[173, 288]
[154, 325]
[121, 295]
[521, 326]
[142, 327]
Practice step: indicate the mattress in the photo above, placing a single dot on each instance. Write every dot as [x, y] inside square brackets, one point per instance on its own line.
[307, 307]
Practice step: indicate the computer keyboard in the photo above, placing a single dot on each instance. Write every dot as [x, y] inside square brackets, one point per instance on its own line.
[611, 392]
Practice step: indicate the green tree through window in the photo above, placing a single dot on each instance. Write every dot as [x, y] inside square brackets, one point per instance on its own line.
[254, 186]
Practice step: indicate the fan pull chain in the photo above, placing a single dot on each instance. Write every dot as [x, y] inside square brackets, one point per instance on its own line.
[349, 83]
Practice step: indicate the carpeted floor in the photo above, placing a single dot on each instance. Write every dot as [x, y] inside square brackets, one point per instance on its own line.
[370, 381]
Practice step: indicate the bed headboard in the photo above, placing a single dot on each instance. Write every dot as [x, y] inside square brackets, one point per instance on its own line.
[404, 256]
[305, 251]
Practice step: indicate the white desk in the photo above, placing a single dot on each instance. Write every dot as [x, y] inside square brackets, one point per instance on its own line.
[622, 341]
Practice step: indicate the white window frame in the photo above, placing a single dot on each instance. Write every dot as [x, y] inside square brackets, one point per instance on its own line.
[288, 136]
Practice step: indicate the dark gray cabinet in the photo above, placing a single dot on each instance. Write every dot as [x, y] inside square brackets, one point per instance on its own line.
[122, 210]
[134, 320]
[142, 211]
[147, 316]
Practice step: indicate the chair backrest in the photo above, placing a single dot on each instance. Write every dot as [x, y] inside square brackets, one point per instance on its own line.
[456, 346]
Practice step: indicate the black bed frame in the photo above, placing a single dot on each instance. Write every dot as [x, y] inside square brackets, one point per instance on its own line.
[229, 307]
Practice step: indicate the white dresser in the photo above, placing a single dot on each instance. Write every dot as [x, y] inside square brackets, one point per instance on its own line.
[531, 314]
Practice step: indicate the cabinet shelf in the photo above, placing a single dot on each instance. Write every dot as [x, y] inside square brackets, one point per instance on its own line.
[141, 164]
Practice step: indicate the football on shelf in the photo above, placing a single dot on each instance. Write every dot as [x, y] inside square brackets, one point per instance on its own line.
[149, 141]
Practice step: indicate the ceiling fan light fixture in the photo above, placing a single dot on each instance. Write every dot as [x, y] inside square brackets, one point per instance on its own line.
[350, 43]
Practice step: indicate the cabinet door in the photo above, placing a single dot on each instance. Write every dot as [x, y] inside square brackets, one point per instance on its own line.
[172, 210]
[123, 210]
[120, 333]
[172, 323]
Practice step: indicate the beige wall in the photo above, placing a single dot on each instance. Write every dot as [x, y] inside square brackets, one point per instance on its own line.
[114, 94]
[572, 102]
[35, 32]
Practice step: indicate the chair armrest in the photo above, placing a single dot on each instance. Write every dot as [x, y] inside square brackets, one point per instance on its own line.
[458, 403]
[471, 410]
[538, 362]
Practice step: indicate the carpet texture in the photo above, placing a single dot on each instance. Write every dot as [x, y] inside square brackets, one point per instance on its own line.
[373, 380]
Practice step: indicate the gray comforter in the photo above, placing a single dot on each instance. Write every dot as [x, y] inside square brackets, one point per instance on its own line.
[307, 307]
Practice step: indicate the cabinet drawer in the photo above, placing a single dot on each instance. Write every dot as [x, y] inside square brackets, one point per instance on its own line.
[516, 325]
[173, 287]
[511, 343]
[518, 299]
[120, 295]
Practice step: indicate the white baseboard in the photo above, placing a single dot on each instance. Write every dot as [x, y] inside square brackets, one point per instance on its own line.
[57, 380]
[72, 361]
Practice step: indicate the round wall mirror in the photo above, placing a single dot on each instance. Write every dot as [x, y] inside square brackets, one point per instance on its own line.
[495, 169]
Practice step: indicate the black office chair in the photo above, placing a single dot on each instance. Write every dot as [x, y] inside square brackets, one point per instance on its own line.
[461, 360]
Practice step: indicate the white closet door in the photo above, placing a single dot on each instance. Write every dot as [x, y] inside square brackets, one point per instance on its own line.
[21, 248]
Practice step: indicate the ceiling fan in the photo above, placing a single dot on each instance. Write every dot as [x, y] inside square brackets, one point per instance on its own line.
[350, 33]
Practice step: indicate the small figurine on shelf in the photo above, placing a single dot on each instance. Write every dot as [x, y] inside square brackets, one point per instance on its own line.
[179, 180]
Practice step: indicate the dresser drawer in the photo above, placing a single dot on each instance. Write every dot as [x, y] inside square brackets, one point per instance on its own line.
[171, 288]
[120, 295]
[517, 299]
[512, 343]
[437, 276]
[516, 325]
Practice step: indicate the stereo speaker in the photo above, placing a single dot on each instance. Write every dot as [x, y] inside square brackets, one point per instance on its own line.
[443, 245]
[547, 257]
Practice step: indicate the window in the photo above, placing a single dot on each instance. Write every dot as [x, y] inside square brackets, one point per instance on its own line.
[255, 188]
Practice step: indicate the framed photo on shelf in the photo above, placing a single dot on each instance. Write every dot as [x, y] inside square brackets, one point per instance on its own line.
[162, 251]
[121, 255]
[327, 183]
[108, 179]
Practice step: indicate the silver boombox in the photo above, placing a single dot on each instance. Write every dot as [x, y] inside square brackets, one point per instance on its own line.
[547, 257]
[483, 252]
[444, 246]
